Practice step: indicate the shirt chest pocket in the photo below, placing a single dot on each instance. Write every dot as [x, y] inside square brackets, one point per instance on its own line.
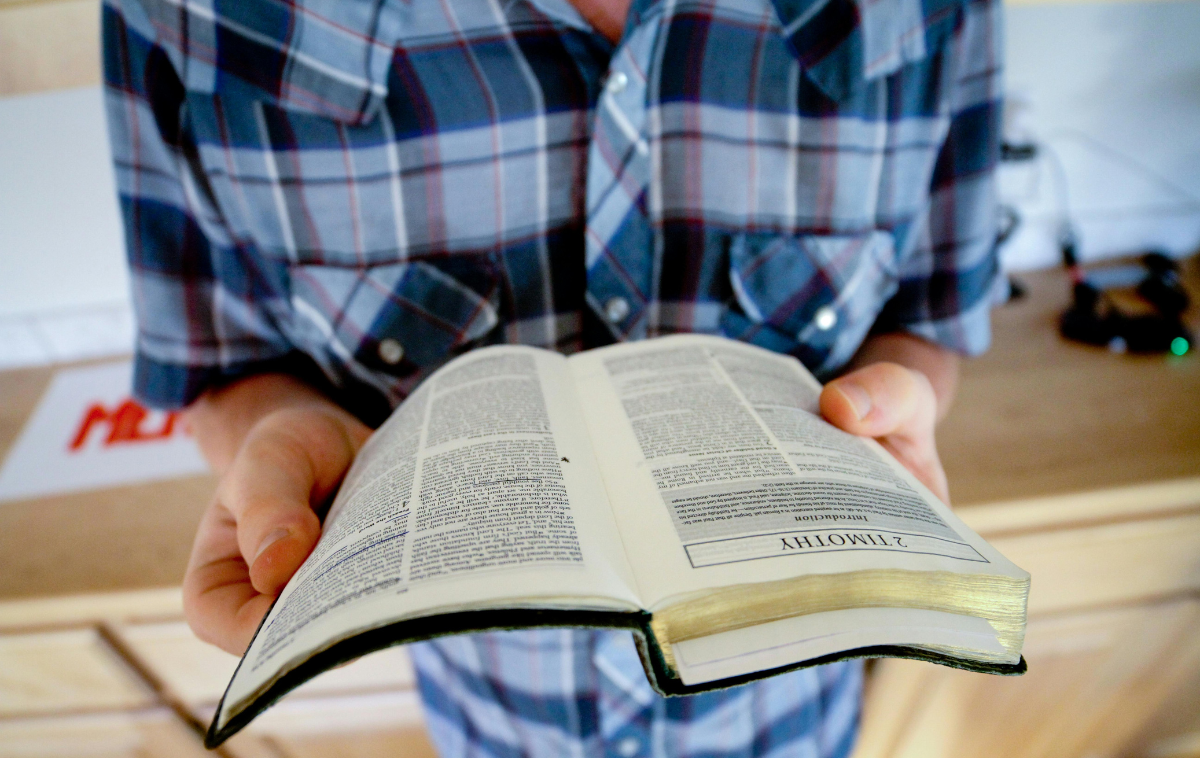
[815, 296]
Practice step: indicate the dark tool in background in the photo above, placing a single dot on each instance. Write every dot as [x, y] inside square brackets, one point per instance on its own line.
[1094, 318]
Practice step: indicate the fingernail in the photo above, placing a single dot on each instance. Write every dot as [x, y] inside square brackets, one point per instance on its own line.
[275, 536]
[860, 399]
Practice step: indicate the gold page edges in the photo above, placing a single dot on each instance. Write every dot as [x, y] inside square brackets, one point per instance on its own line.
[1001, 601]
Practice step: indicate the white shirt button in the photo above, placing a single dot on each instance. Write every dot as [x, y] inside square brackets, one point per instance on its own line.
[391, 352]
[616, 309]
[617, 81]
[825, 318]
[628, 747]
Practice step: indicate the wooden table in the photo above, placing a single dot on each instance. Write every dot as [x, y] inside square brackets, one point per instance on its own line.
[1083, 467]
[1038, 416]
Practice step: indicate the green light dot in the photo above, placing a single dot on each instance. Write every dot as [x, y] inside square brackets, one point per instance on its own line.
[1179, 346]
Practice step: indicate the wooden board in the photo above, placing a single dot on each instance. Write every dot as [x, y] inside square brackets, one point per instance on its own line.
[49, 45]
[153, 733]
[1083, 467]
[363, 726]
[65, 671]
[1108, 564]
[1174, 730]
[1172, 497]
[196, 673]
[383, 743]
[77, 610]
[1094, 679]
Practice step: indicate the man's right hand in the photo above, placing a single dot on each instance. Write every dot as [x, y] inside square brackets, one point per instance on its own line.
[280, 449]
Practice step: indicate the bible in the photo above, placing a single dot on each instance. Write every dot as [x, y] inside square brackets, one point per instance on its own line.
[684, 488]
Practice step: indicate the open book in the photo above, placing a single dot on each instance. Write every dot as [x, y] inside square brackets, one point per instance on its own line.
[684, 488]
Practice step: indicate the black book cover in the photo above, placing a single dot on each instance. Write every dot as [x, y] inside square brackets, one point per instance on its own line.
[661, 676]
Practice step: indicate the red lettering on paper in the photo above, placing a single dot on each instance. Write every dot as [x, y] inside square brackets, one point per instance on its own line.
[125, 424]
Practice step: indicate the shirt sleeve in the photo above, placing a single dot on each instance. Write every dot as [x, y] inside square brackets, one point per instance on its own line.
[949, 275]
[208, 307]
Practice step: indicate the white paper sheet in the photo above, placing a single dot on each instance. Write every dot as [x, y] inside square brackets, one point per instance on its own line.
[87, 433]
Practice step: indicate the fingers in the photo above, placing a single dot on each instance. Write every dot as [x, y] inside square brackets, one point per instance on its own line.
[221, 605]
[898, 407]
[290, 462]
[267, 490]
[262, 525]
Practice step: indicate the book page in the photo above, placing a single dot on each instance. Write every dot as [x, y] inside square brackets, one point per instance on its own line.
[480, 491]
[721, 472]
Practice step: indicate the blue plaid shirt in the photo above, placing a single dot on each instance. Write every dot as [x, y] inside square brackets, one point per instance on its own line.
[357, 190]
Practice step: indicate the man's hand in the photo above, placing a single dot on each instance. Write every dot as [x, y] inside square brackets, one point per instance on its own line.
[280, 450]
[898, 395]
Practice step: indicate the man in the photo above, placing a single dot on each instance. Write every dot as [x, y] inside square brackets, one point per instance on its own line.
[325, 200]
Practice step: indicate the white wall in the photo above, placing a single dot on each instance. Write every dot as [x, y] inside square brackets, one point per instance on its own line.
[63, 287]
[60, 235]
[1114, 89]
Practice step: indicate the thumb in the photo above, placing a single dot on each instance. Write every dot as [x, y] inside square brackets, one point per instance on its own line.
[896, 406]
[883, 399]
[290, 462]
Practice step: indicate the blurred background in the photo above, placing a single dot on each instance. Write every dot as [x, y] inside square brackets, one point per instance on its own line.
[1081, 463]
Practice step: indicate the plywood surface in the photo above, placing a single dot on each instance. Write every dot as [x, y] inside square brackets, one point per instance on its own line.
[152, 733]
[1093, 679]
[388, 743]
[1037, 416]
[91, 608]
[196, 673]
[1108, 564]
[1138, 501]
[373, 725]
[104, 540]
[1174, 731]
[71, 670]
[49, 45]
[1083, 467]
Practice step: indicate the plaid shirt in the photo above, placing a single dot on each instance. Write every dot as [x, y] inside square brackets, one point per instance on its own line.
[358, 190]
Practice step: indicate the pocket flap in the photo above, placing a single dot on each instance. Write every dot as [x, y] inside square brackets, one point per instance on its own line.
[816, 294]
[784, 281]
[395, 318]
